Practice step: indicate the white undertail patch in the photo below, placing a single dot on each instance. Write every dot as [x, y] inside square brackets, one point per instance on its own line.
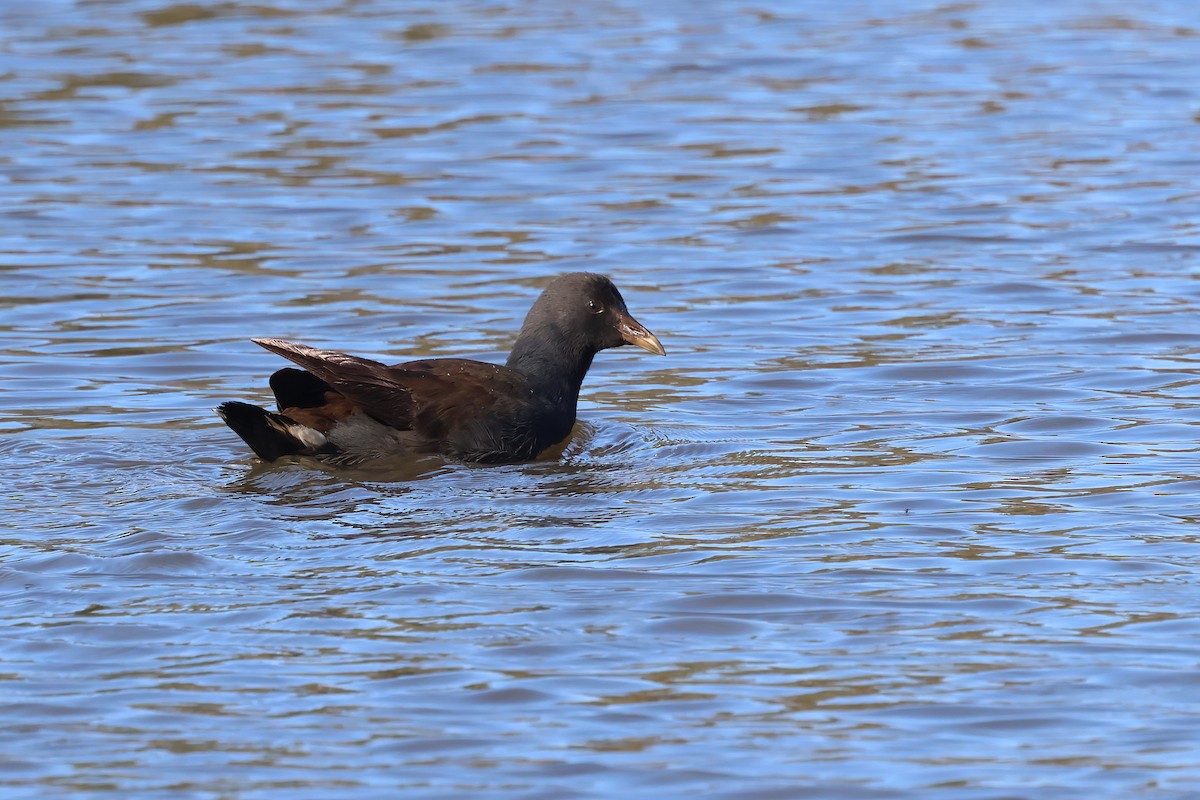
[301, 433]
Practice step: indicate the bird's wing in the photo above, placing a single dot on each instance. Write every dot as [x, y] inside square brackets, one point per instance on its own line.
[434, 398]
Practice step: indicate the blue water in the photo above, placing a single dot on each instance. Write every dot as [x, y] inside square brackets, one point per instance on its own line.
[908, 510]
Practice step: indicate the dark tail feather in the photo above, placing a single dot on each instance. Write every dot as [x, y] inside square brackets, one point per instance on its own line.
[295, 388]
[272, 436]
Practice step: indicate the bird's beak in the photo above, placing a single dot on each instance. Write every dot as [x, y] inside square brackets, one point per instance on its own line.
[633, 332]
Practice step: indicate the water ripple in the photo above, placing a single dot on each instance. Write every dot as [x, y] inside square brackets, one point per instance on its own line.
[907, 511]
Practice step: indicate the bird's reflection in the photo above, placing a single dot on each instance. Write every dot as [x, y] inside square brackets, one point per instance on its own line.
[435, 496]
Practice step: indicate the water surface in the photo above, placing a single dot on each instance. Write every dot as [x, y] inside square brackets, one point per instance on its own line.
[907, 511]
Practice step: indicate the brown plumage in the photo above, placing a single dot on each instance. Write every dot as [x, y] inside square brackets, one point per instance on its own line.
[348, 409]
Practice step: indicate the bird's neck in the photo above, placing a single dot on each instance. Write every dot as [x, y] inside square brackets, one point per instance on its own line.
[553, 363]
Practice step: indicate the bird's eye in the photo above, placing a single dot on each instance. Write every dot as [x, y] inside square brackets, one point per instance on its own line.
[595, 307]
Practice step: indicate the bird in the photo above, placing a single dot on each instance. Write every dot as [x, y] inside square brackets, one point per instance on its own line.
[346, 410]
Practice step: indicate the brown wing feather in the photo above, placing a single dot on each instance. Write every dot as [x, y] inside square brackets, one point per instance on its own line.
[434, 398]
[368, 384]
[451, 395]
[324, 417]
[328, 365]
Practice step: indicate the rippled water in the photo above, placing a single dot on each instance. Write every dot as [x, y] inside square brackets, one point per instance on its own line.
[909, 510]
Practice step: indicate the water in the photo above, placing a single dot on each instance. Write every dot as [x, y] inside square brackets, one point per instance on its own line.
[907, 511]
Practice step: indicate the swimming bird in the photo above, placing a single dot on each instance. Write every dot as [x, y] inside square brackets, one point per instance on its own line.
[348, 410]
